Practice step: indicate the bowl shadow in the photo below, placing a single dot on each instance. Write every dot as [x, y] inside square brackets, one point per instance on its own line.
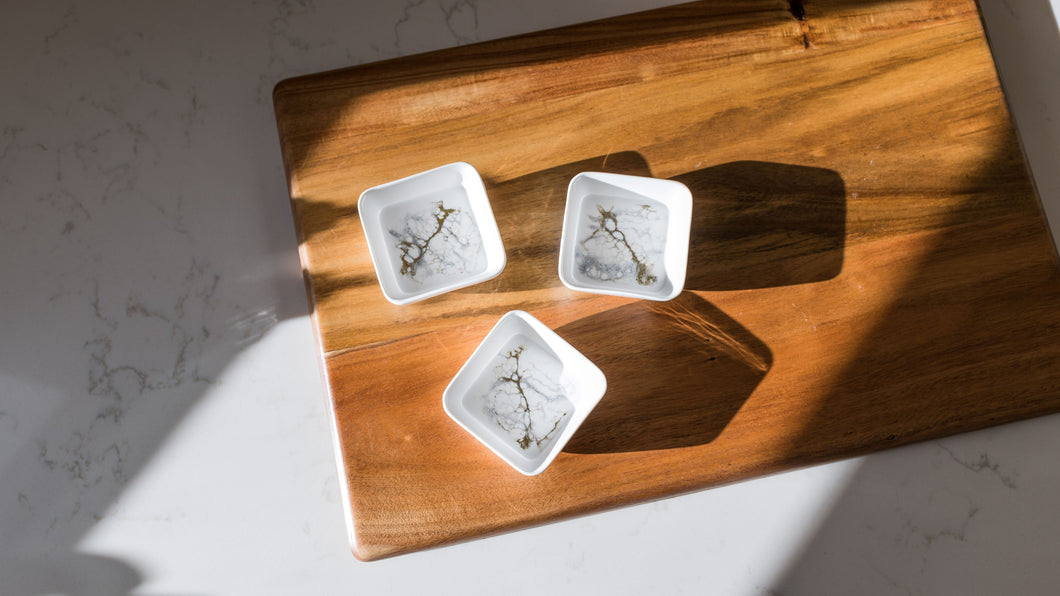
[759, 224]
[677, 372]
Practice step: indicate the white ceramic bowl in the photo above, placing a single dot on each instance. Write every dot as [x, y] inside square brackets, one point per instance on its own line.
[431, 233]
[625, 236]
[524, 392]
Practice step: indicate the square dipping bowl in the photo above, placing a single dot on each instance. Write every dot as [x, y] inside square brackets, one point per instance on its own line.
[524, 392]
[431, 233]
[625, 236]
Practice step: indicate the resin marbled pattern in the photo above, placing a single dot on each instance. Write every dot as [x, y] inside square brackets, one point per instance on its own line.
[438, 239]
[526, 400]
[621, 241]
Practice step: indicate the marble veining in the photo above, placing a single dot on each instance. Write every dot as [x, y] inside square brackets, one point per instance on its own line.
[460, 17]
[983, 463]
[525, 399]
[622, 241]
[436, 239]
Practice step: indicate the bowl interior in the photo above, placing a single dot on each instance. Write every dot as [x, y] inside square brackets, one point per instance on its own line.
[431, 233]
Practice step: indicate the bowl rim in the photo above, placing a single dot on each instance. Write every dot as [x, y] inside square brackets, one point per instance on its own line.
[595, 386]
[482, 211]
[678, 231]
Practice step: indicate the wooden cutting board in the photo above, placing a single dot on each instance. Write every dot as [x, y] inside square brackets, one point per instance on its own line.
[869, 266]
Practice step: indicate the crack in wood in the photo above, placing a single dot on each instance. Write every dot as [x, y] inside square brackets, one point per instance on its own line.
[797, 10]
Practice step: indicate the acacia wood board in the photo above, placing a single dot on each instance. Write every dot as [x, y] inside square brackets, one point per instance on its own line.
[869, 263]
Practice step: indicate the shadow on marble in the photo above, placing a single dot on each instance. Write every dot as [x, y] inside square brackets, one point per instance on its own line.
[74, 574]
[112, 391]
[971, 514]
[153, 248]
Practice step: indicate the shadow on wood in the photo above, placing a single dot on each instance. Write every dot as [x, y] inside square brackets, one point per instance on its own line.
[529, 213]
[760, 224]
[703, 366]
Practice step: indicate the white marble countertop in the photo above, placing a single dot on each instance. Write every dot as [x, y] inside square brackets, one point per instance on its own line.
[163, 428]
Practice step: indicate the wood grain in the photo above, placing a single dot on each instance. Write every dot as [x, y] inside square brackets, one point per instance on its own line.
[869, 264]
